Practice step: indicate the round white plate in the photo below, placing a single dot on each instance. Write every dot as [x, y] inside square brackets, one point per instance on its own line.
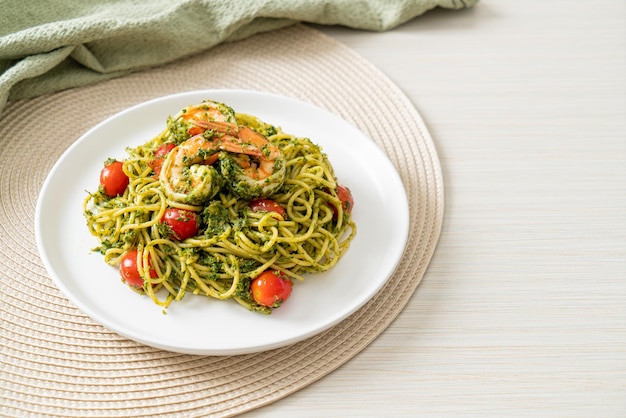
[199, 325]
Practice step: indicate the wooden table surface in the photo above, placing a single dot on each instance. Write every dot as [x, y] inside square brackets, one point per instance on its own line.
[522, 311]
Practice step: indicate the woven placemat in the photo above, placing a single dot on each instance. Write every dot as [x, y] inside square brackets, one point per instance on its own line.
[57, 362]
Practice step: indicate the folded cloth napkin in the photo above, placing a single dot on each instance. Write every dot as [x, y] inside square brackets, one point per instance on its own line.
[47, 46]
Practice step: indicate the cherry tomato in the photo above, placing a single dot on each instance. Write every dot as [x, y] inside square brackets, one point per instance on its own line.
[271, 288]
[267, 205]
[113, 179]
[347, 201]
[130, 272]
[183, 223]
[164, 149]
[159, 156]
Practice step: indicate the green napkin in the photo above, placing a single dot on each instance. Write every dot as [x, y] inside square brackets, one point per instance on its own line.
[50, 45]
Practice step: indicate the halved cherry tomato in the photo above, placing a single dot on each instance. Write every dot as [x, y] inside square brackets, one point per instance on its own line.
[345, 195]
[271, 288]
[347, 201]
[113, 179]
[130, 272]
[159, 157]
[183, 223]
[267, 205]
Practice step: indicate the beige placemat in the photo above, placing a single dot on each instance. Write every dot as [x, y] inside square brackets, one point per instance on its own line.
[57, 362]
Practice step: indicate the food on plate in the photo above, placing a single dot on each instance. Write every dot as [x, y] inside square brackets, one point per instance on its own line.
[220, 204]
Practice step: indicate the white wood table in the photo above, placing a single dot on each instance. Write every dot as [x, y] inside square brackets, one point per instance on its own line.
[522, 311]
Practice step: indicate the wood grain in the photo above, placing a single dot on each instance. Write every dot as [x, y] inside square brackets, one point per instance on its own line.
[522, 311]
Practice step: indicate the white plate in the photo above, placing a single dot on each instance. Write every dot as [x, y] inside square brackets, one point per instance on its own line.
[199, 325]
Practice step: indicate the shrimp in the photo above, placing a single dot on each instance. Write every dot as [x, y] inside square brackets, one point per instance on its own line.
[254, 174]
[195, 119]
[250, 165]
[187, 175]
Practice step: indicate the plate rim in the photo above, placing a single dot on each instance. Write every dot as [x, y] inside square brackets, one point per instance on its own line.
[86, 309]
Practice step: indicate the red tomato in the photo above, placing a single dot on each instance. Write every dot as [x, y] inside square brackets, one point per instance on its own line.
[164, 149]
[159, 156]
[113, 179]
[267, 205]
[156, 165]
[271, 288]
[130, 272]
[183, 223]
[347, 201]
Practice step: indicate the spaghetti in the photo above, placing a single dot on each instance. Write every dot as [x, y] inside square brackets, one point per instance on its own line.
[219, 165]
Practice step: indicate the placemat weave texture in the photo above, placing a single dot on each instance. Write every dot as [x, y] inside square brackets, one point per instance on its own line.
[55, 361]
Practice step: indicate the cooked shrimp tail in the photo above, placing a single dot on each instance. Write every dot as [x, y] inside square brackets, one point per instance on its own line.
[256, 173]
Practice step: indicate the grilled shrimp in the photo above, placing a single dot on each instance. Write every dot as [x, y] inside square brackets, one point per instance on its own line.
[194, 119]
[249, 164]
[253, 174]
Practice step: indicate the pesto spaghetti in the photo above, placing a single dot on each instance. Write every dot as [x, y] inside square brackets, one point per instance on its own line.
[217, 204]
